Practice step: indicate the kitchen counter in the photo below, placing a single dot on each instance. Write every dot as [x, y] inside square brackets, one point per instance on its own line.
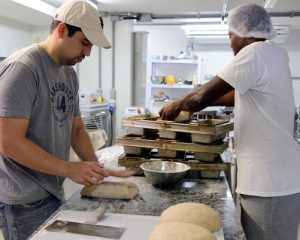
[152, 201]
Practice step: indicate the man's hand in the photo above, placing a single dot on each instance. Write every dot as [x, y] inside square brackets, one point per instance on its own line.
[86, 173]
[89, 173]
[170, 111]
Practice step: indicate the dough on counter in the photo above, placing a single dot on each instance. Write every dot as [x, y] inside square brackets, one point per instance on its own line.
[116, 190]
[180, 231]
[183, 116]
[195, 213]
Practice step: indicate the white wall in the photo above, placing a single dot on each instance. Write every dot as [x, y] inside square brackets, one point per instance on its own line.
[123, 69]
[14, 36]
[88, 71]
[170, 40]
[164, 40]
[106, 61]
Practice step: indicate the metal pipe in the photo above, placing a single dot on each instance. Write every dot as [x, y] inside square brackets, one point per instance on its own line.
[100, 90]
[224, 9]
[113, 54]
[136, 16]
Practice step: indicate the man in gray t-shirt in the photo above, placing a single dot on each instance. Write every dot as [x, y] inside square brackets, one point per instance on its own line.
[40, 120]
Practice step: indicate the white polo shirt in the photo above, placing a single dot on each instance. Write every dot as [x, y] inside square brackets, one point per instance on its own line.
[268, 157]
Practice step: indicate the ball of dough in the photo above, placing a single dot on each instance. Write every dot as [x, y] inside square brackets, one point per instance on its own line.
[183, 116]
[180, 231]
[195, 213]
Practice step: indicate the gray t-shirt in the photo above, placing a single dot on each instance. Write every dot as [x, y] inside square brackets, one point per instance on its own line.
[34, 87]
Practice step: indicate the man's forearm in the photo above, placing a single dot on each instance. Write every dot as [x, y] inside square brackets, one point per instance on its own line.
[214, 92]
[225, 100]
[32, 156]
[82, 145]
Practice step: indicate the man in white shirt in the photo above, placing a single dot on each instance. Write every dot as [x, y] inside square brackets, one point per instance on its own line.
[258, 83]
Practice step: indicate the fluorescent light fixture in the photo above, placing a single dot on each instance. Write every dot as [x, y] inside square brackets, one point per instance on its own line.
[39, 6]
[270, 3]
[216, 37]
[213, 30]
[93, 3]
[174, 21]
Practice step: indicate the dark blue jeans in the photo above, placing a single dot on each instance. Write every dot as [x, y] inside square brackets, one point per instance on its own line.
[18, 222]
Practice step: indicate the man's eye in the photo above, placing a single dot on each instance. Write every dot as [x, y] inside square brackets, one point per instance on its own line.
[85, 43]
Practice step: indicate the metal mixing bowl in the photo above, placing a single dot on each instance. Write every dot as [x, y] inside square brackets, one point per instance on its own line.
[164, 173]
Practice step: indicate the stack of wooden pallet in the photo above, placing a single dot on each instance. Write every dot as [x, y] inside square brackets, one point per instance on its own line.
[197, 143]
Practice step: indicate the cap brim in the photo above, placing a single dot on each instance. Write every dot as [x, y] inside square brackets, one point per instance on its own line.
[97, 38]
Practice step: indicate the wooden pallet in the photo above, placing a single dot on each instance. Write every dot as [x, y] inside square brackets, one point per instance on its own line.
[171, 145]
[194, 164]
[208, 127]
[173, 141]
[203, 170]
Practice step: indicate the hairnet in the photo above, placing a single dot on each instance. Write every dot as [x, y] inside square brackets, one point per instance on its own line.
[251, 20]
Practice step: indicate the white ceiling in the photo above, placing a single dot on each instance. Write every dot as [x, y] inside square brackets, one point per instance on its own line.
[19, 13]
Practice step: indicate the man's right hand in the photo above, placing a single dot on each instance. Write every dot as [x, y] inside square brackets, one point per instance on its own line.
[90, 173]
[170, 111]
[87, 173]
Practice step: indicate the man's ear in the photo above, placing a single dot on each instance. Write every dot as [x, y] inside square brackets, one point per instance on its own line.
[61, 30]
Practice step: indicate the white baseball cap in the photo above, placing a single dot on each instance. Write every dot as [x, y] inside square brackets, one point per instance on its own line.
[80, 13]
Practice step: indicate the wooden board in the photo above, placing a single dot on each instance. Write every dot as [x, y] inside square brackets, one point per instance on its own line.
[171, 145]
[135, 162]
[205, 138]
[197, 127]
[209, 122]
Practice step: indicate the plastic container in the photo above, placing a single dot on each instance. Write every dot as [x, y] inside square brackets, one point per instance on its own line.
[171, 80]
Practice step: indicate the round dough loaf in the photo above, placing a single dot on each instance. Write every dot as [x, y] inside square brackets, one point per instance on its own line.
[195, 213]
[180, 231]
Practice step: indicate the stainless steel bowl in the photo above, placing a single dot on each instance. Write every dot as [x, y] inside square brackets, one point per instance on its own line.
[158, 79]
[164, 173]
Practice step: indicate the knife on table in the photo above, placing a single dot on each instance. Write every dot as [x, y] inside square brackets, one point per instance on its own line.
[86, 229]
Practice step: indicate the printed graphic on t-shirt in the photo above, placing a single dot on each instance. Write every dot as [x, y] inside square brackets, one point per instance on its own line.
[62, 103]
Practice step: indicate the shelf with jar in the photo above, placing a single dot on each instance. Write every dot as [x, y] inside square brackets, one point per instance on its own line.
[184, 86]
[173, 77]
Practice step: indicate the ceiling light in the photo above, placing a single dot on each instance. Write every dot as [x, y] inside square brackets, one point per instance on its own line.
[93, 3]
[269, 3]
[39, 6]
[206, 30]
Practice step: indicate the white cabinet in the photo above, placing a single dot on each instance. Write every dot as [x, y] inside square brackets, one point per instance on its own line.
[186, 72]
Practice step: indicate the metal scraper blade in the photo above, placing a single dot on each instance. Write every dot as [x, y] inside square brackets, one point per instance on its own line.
[86, 229]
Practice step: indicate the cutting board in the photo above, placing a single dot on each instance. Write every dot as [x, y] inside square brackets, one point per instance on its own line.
[137, 227]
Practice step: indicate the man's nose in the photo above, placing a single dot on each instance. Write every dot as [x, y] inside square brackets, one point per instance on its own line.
[87, 51]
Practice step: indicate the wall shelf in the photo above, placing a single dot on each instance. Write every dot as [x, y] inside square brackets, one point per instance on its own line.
[177, 86]
[182, 69]
[176, 61]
